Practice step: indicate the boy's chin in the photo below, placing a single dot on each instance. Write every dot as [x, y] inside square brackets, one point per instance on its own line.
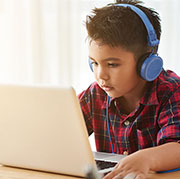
[112, 95]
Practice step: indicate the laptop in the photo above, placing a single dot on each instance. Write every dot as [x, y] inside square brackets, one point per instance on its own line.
[42, 128]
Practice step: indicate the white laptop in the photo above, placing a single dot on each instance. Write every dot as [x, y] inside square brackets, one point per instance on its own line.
[42, 128]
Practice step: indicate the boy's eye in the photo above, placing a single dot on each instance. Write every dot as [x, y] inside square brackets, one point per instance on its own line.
[94, 63]
[113, 64]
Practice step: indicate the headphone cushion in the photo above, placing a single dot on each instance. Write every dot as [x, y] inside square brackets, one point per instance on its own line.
[151, 67]
[141, 61]
[90, 64]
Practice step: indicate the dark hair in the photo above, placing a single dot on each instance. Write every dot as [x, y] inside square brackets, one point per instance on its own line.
[120, 26]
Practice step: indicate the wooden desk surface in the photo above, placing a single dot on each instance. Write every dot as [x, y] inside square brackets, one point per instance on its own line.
[16, 173]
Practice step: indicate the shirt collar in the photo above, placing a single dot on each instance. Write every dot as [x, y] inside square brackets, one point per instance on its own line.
[104, 105]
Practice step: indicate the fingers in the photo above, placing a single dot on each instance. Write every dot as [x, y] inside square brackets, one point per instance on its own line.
[140, 176]
[129, 169]
[121, 176]
[112, 174]
[130, 176]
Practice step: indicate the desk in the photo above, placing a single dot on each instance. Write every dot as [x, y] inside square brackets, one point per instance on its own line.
[16, 173]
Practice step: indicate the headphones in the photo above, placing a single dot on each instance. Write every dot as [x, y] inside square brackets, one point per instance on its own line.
[149, 66]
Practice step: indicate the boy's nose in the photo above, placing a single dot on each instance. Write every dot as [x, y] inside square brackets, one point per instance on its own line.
[102, 74]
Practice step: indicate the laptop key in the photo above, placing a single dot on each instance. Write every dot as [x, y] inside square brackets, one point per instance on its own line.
[101, 164]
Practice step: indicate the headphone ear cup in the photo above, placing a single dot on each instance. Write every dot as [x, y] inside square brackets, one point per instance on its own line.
[90, 64]
[150, 66]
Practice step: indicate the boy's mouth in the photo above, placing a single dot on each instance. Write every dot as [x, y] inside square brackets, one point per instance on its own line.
[106, 88]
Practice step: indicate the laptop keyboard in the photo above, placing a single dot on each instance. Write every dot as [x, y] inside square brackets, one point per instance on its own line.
[105, 164]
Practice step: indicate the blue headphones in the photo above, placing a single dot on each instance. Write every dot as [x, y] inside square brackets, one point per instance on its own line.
[150, 65]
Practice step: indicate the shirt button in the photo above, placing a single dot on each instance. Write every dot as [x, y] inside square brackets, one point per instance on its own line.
[126, 122]
[125, 153]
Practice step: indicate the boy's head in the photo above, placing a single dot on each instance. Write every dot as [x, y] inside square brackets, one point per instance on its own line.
[120, 26]
[118, 38]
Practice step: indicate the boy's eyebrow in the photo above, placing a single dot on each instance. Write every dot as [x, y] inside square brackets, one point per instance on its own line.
[108, 59]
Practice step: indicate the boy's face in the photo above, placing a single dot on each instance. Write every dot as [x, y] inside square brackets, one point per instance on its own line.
[115, 70]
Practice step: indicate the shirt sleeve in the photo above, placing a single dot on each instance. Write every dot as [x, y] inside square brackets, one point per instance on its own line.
[169, 120]
[85, 103]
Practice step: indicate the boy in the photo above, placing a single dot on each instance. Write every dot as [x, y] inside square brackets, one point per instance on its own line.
[128, 113]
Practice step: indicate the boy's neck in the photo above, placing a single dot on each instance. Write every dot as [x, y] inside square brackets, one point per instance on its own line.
[131, 101]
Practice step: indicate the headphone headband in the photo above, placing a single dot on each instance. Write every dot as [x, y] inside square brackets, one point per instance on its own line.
[152, 38]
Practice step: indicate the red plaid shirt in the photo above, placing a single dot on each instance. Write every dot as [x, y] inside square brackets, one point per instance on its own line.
[154, 122]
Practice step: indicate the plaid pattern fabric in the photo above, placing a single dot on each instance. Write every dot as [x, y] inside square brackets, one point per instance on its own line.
[154, 122]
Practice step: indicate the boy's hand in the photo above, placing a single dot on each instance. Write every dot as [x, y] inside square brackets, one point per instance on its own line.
[136, 164]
